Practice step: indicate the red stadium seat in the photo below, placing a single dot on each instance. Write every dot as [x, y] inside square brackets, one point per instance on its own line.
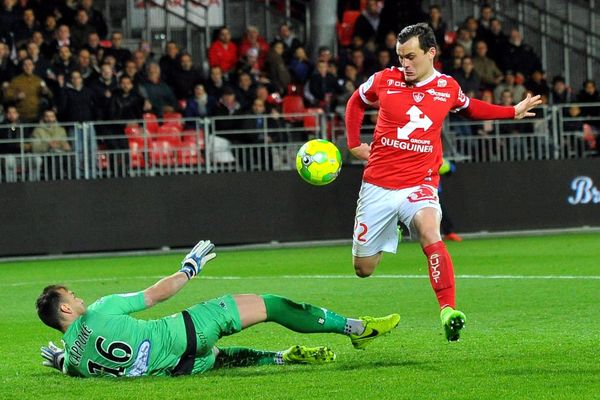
[173, 119]
[182, 104]
[450, 38]
[161, 153]
[135, 137]
[311, 122]
[170, 133]
[189, 151]
[292, 104]
[345, 29]
[150, 123]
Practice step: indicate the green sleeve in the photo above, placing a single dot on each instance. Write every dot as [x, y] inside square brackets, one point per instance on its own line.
[119, 304]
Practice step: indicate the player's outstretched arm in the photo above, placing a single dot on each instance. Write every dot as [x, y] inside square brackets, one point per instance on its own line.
[522, 109]
[191, 266]
[54, 356]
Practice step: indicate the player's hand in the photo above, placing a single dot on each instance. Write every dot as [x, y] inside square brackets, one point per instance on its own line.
[54, 356]
[194, 261]
[522, 109]
[361, 152]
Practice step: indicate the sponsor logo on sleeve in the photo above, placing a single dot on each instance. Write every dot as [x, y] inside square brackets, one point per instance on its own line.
[442, 82]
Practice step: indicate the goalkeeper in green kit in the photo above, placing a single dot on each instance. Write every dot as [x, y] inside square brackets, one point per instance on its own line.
[104, 340]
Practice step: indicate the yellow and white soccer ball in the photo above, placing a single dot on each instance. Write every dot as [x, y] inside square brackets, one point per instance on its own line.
[318, 162]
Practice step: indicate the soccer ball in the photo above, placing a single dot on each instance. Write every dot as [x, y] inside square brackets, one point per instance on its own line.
[318, 162]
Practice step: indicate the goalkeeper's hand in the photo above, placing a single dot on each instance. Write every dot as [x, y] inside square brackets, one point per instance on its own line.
[194, 261]
[54, 356]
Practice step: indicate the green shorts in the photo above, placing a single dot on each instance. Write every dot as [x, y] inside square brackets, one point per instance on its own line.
[212, 320]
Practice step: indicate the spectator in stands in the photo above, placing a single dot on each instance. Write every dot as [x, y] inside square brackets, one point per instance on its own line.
[215, 83]
[29, 92]
[146, 49]
[519, 56]
[10, 131]
[49, 137]
[454, 61]
[561, 93]
[125, 104]
[49, 28]
[96, 19]
[389, 44]
[141, 63]
[497, 43]
[42, 67]
[324, 54]
[467, 78]
[223, 52]
[517, 91]
[487, 127]
[368, 22]
[537, 84]
[82, 28]
[244, 91]
[350, 84]
[8, 69]
[85, 67]
[589, 94]
[116, 50]
[63, 39]
[485, 67]
[200, 105]
[169, 63]
[300, 66]
[464, 38]
[132, 72]
[290, 41]
[227, 106]
[507, 99]
[102, 90]
[23, 29]
[253, 40]
[158, 93]
[472, 25]
[437, 24]
[9, 14]
[185, 77]
[76, 102]
[383, 61]
[486, 14]
[321, 87]
[275, 67]
[254, 132]
[64, 63]
[357, 57]
[93, 46]
[262, 92]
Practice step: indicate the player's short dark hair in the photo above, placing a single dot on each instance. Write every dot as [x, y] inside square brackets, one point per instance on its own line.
[422, 31]
[47, 305]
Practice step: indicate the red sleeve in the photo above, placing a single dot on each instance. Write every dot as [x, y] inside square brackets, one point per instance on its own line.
[481, 110]
[355, 112]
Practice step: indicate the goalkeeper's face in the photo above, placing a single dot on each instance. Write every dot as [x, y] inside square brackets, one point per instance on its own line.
[74, 303]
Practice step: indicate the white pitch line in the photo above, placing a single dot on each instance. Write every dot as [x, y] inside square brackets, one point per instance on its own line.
[383, 276]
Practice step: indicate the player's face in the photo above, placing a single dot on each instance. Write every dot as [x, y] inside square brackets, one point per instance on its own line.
[76, 304]
[418, 64]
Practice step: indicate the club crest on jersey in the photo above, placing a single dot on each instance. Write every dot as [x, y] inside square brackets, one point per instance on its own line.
[442, 82]
[418, 96]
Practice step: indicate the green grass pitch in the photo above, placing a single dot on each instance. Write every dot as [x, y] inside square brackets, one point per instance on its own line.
[533, 325]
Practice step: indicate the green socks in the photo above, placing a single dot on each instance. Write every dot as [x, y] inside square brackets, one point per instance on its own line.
[303, 317]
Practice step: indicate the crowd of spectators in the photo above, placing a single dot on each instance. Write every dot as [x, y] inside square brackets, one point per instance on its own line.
[58, 55]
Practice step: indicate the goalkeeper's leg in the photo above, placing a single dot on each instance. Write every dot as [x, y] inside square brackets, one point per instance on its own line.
[230, 357]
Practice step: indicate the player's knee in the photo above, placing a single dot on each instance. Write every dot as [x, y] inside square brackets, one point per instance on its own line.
[364, 269]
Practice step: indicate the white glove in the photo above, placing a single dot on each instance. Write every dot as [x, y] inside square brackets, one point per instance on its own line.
[194, 261]
[54, 356]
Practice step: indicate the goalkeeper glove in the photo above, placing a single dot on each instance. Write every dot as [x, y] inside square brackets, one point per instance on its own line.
[194, 261]
[54, 356]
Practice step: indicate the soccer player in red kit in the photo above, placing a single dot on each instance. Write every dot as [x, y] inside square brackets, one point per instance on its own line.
[401, 176]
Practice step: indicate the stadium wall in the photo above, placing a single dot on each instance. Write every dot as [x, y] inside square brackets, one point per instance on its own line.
[150, 213]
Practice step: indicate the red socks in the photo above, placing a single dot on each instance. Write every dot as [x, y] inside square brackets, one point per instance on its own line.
[441, 273]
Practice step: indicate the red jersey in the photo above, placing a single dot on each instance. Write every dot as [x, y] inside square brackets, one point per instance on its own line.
[407, 143]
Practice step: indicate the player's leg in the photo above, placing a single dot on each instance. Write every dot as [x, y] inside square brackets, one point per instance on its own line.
[375, 228]
[441, 271]
[230, 357]
[307, 318]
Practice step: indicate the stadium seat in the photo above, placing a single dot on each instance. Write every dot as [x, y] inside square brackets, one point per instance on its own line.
[173, 119]
[171, 133]
[135, 138]
[311, 122]
[182, 104]
[450, 38]
[189, 151]
[150, 123]
[345, 29]
[293, 104]
[161, 153]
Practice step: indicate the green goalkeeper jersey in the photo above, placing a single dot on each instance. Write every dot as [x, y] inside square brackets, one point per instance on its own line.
[107, 341]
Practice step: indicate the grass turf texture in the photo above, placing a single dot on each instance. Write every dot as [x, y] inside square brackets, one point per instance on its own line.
[525, 338]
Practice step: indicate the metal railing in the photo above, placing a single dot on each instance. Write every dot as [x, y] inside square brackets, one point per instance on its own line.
[269, 142]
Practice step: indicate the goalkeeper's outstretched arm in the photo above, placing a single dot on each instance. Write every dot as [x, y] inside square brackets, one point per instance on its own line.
[191, 266]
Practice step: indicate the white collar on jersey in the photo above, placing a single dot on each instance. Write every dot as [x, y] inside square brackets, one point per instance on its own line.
[424, 82]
